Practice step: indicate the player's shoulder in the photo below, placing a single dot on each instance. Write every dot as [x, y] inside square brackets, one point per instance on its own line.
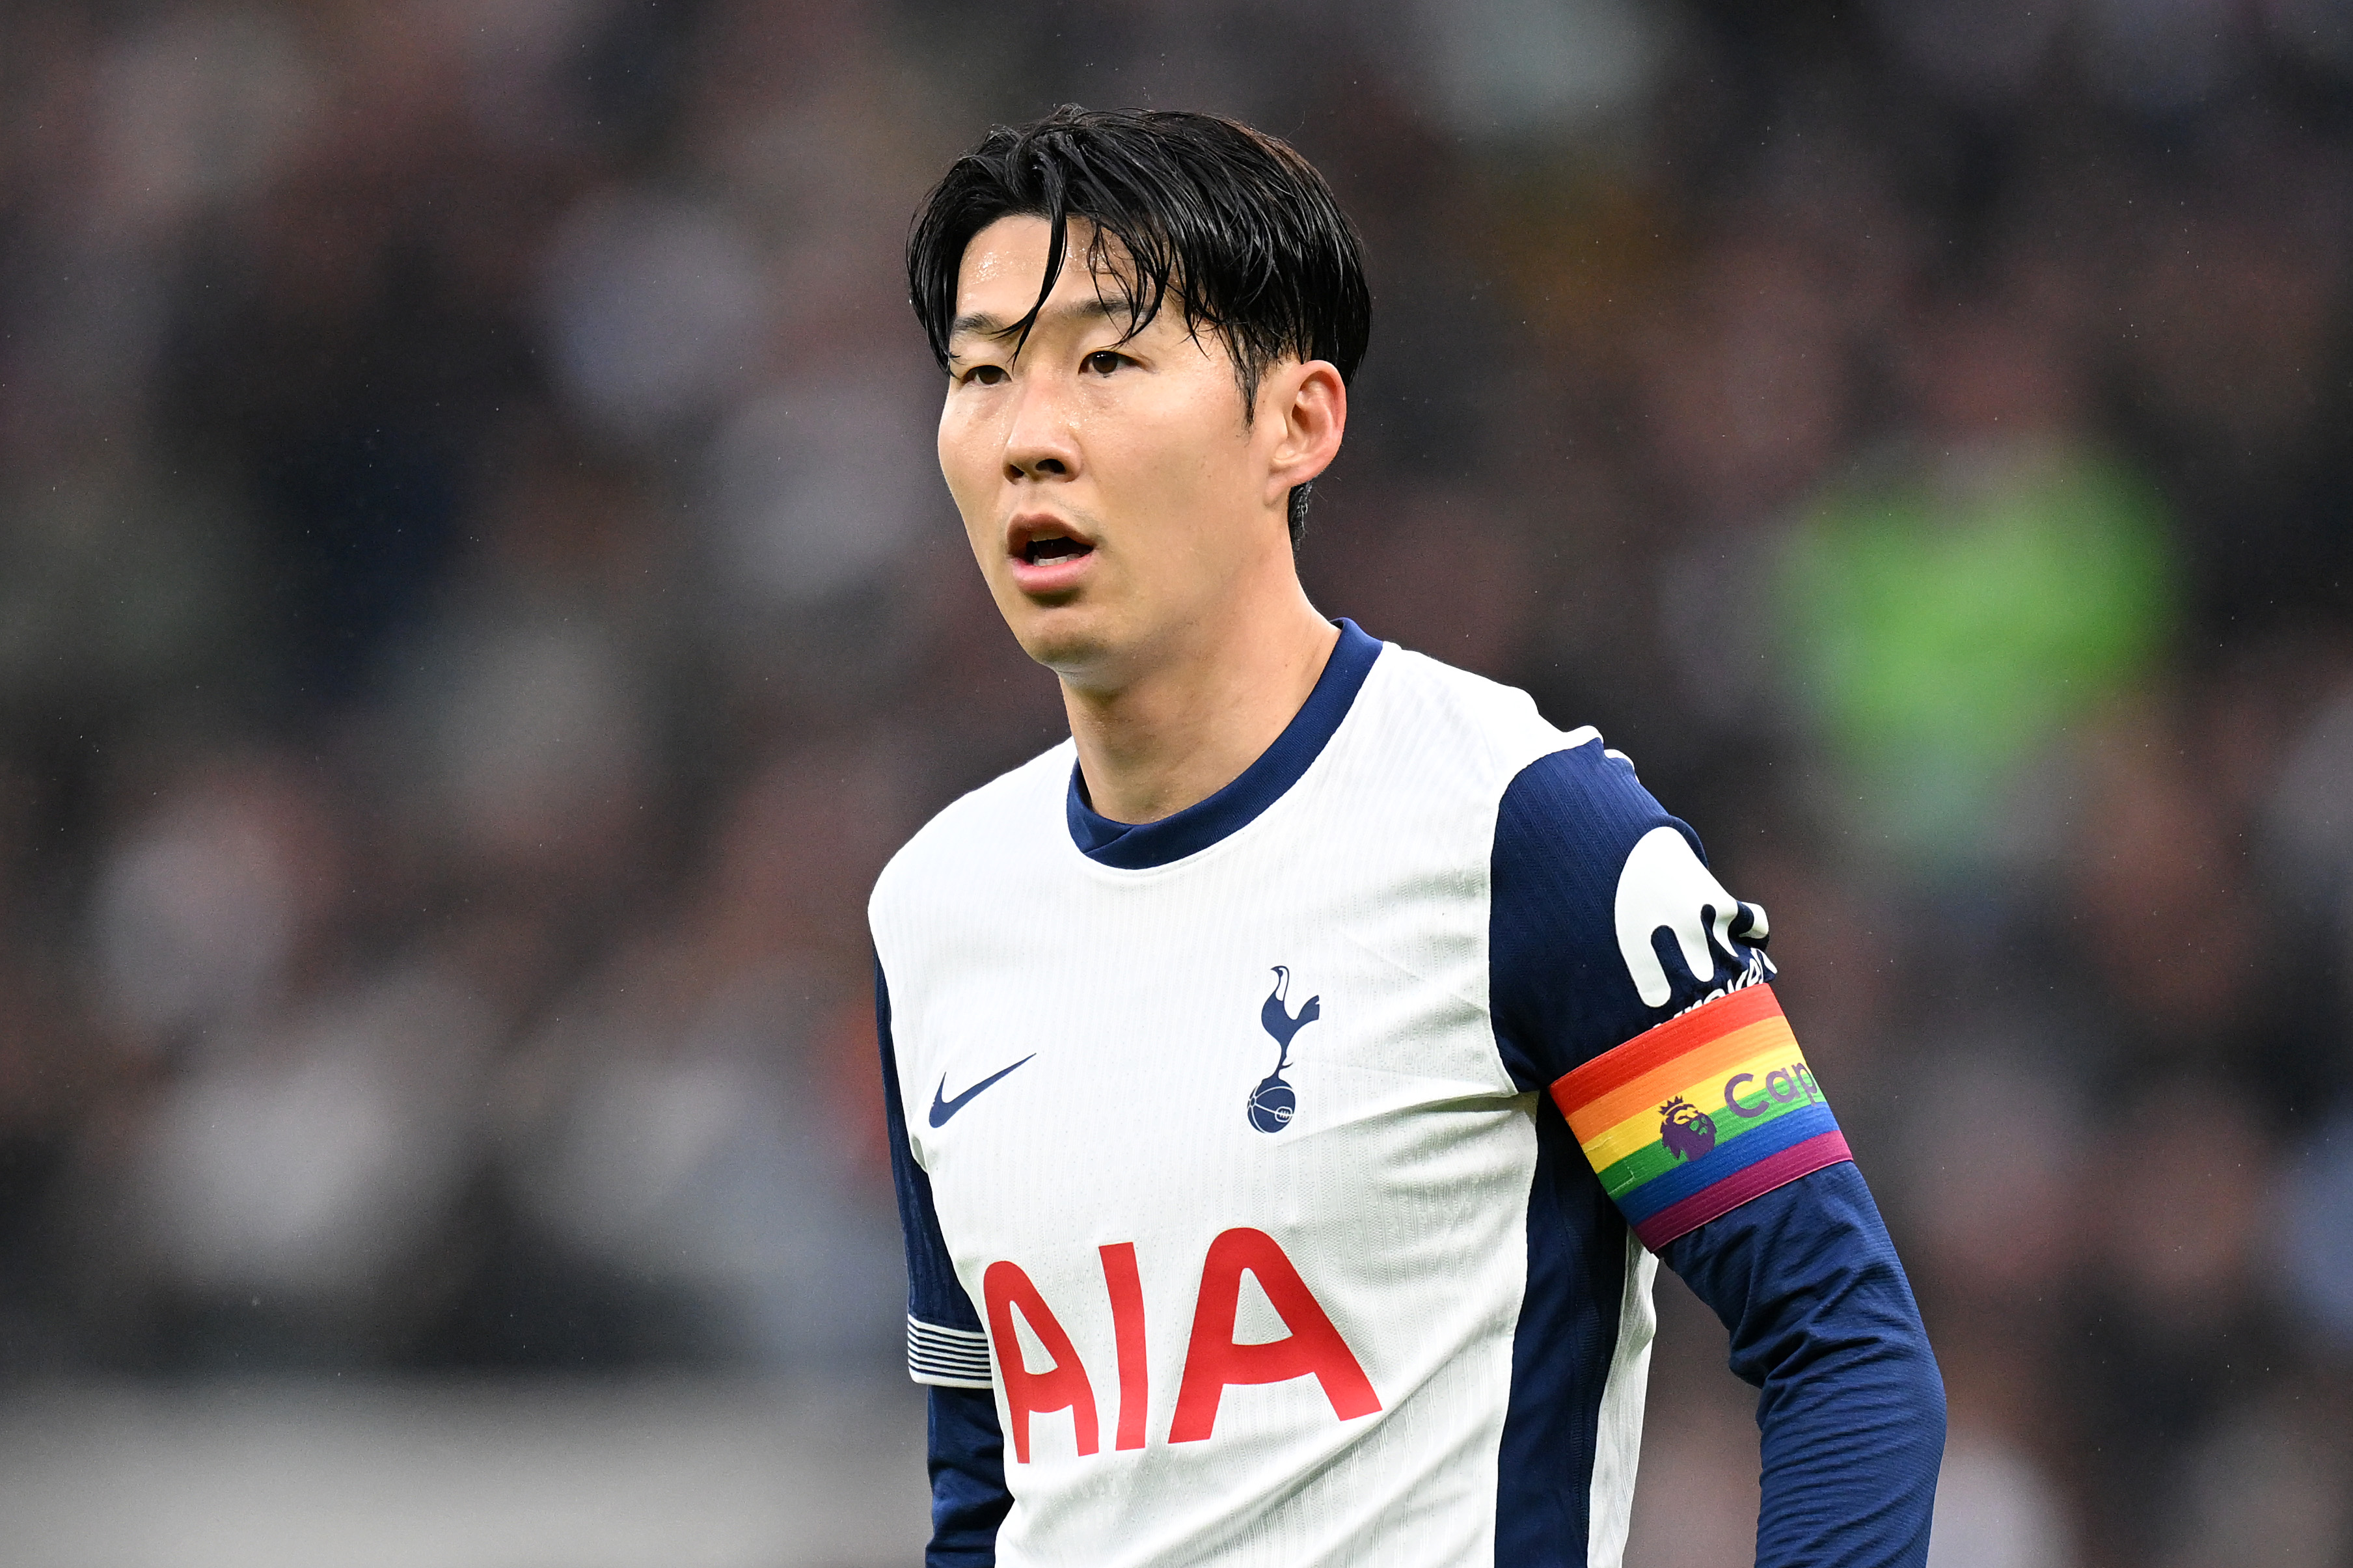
[1566, 789]
[963, 841]
[1483, 725]
[1584, 782]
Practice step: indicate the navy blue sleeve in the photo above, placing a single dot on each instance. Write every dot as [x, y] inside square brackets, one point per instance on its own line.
[1606, 923]
[946, 1348]
[967, 1467]
[1852, 1414]
[1606, 920]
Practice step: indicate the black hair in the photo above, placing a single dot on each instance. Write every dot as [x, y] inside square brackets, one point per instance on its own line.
[1235, 225]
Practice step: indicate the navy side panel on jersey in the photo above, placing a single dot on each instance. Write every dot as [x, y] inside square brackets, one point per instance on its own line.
[1561, 1354]
[969, 1498]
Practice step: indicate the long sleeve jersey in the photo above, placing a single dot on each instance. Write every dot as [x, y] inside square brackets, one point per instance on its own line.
[1284, 1182]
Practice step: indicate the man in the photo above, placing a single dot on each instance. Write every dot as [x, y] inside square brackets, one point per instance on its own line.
[1294, 1078]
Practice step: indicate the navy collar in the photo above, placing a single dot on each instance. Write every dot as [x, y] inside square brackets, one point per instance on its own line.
[1138, 846]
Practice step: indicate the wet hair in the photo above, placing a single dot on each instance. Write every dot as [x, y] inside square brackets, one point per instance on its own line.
[1235, 227]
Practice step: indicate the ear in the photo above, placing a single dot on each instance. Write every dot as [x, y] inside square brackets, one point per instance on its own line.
[1303, 411]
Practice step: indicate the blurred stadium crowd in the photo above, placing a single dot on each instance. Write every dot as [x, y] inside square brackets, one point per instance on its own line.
[477, 607]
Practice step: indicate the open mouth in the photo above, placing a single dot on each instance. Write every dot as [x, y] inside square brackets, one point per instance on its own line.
[1045, 551]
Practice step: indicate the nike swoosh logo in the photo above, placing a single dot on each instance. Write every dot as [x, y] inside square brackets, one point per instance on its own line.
[943, 1109]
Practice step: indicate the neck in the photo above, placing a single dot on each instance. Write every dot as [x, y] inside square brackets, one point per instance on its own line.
[1208, 707]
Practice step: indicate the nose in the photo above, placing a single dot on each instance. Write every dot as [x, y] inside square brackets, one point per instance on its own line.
[1041, 443]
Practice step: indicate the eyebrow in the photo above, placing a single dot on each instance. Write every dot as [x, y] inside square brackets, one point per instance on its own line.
[982, 324]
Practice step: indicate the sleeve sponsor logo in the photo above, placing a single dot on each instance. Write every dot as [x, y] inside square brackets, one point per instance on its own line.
[1663, 886]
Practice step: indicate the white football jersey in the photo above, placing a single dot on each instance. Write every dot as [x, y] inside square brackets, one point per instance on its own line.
[1231, 1183]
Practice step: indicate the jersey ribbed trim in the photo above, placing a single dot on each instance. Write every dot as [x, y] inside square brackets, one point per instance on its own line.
[1140, 846]
[946, 1358]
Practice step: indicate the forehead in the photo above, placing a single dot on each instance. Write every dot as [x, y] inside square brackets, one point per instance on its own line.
[1008, 255]
[1003, 265]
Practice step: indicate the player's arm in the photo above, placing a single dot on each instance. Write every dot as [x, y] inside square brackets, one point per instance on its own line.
[946, 1350]
[1852, 1412]
[1631, 988]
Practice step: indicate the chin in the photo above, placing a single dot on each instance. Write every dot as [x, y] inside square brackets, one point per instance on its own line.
[1075, 643]
[1069, 651]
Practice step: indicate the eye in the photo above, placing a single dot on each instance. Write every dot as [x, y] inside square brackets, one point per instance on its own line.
[983, 375]
[1103, 361]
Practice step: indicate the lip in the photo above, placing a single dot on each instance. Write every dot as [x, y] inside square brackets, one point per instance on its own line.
[1049, 577]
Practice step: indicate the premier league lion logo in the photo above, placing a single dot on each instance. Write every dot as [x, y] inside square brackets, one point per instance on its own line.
[1687, 1131]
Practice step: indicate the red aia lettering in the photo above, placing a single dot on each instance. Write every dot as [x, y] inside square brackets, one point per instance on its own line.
[1125, 1288]
[1213, 1360]
[1063, 1386]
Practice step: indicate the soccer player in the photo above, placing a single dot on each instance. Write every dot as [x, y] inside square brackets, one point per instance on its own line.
[1295, 1078]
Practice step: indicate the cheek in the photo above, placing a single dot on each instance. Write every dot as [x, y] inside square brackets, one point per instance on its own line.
[963, 461]
[1178, 449]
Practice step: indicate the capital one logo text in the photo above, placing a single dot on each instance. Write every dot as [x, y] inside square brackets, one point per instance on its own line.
[1213, 1360]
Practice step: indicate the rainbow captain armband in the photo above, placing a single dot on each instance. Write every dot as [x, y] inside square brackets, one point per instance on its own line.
[1691, 1119]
